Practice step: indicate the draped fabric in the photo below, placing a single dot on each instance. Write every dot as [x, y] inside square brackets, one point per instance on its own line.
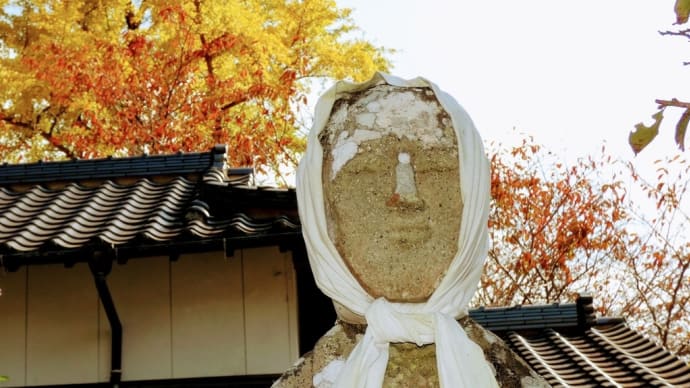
[460, 361]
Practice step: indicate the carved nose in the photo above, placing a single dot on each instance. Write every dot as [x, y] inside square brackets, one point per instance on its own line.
[405, 195]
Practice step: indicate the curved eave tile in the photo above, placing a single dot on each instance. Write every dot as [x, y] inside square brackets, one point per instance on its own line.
[7, 198]
[642, 355]
[25, 209]
[22, 244]
[158, 235]
[612, 356]
[117, 238]
[286, 223]
[251, 228]
[71, 241]
[203, 230]
[160, 229]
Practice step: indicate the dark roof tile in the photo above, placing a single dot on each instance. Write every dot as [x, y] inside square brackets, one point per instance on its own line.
[71, 205]
[608, 353]
[138, 166]
[567, 345]
[527, 317]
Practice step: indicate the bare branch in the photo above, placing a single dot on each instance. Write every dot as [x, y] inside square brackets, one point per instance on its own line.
[672, 102]
[683, 33]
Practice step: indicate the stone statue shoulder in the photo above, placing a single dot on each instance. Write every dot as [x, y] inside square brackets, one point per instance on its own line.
[409, 365]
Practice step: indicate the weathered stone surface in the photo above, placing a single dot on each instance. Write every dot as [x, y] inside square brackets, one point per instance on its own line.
[392, 191]
[391, 187]
[409, 365]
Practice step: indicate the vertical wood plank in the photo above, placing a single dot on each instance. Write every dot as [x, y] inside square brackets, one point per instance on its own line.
[207, 316]
[141, 294]
[62, 332]
[13, 327]
[266, 311]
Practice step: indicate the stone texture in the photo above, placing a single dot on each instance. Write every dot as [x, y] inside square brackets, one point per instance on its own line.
[410, 365]
[392, 191]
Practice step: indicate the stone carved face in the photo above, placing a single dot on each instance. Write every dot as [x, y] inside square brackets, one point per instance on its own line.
[392, 190]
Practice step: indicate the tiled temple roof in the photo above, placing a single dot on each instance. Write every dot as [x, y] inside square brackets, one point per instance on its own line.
[568, 346]
[133, 203]
[611, 355]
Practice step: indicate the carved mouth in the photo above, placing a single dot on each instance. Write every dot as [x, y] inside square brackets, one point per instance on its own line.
[410, 235]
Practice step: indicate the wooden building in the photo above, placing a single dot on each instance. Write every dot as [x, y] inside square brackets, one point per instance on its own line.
[150, 268]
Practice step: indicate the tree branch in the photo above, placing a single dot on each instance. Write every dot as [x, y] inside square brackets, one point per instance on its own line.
[234, 103]
[46, 135]
[202, 37]
[10, 120]
[672, 102]
[684, 33]
[59, 147]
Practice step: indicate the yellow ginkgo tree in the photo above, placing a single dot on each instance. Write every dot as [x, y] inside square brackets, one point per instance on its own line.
[85, 78]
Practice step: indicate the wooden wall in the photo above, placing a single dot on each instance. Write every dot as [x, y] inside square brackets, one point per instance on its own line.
[202, 315]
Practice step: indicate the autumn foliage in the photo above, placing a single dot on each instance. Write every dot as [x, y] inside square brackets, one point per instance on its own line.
[558, 229]
[549, 224]
[657, 253]
[90, 79]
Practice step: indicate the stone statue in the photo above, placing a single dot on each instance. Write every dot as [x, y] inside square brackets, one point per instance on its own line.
[393, 195]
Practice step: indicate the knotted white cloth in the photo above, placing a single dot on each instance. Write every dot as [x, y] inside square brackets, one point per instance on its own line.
[460, 361]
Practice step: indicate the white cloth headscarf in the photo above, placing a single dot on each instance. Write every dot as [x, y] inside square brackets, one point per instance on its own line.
[460, 361]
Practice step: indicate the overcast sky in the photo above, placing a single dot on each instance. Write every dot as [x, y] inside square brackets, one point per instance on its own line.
[572, 74]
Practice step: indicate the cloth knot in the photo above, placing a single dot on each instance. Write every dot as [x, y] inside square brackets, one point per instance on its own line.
[392, 322]
[460, 361]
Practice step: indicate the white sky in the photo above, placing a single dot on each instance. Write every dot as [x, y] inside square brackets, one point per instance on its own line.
[572, 74]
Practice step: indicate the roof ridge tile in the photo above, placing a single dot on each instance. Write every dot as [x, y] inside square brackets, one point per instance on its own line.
[111, 167]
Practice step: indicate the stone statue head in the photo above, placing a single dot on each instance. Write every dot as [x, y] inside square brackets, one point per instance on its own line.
[393, 197]
[392, 189]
